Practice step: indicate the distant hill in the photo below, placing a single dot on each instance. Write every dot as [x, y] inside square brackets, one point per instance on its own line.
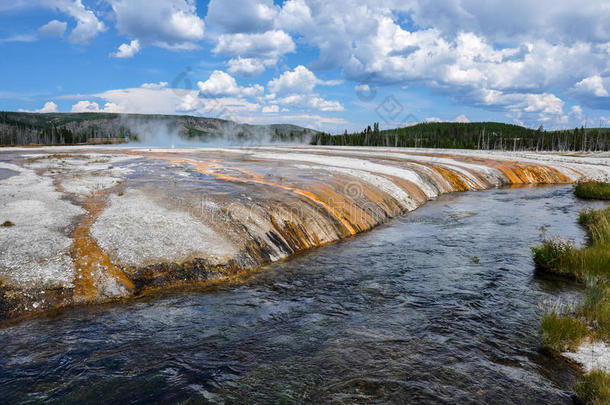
[17, 128]
[474, 135]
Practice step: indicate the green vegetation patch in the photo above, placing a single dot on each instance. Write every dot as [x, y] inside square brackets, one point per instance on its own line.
[595, 309]
[590, 319]
[7, 224]
[561, 257]
[594, 388]
[562, 333]
[594, 190]
[555, 256]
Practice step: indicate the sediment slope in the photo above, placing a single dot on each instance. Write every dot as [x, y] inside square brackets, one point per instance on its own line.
[92, 225]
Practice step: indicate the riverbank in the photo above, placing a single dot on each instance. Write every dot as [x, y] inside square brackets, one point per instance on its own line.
[582, 332]
[92, 225]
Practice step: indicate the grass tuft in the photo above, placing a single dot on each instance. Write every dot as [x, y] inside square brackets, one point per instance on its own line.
[594, 388]
[561, 257]
[596, 308]
[562, 333]
[555, 256]
[594, 190]
[7, 224]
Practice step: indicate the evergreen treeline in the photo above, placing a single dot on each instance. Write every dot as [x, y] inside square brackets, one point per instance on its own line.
[20, 128]
[474, 135]
[53, 129]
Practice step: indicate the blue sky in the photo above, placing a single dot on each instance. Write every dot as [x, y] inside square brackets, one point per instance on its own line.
[327, 65]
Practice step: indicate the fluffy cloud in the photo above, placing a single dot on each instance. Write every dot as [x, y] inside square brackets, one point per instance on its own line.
[270, 44]
[53, 28]
[454, 47]
[501, 21]
[253, 53]
[88, 106]
[154, 86]
[148, 99]
[172, 24]
[88, 26]
[544, 103]
[592, 86]
[577, 112]
[245, 30]
[248, 67]
[128, 50]
[221, 84]
[49, 107]
[241, 16]
[271, 109]
[299, 80]
[462, 118]
[530, 61]
[295, 15]
[296, 87]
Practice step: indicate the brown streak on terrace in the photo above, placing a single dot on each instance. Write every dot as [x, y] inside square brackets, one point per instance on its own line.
[453, 178]
[90, 260]
[215, 169]
[517, 173]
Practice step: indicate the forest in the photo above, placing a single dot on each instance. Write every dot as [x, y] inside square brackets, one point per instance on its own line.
[474, 135]
[20, 128]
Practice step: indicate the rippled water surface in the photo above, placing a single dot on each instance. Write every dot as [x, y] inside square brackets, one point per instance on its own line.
[441, 305]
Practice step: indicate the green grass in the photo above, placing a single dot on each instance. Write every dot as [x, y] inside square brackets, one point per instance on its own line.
[555, 256]
[594, 388]
[590, 319]
[597, 223]
[562, 333]
[595, 309]
[561, 257]
[594, 190]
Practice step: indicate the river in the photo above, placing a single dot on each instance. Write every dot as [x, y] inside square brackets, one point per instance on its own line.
[439, 306]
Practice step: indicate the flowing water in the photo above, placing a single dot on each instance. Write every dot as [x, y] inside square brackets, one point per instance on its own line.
[439, 306]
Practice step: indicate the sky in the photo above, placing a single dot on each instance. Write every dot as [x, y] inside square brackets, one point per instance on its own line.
[330, 65]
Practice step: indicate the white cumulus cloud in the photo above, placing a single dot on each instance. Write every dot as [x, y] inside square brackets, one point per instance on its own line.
[221, 84]
[49, 107]
[128, 50]
[53, 28]
[270, 44]
[88, 26]
[88, 106]
[172, 24]
[243, 16]
[248, 67]
[296, 87]
[271, 109]
[593, 85]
